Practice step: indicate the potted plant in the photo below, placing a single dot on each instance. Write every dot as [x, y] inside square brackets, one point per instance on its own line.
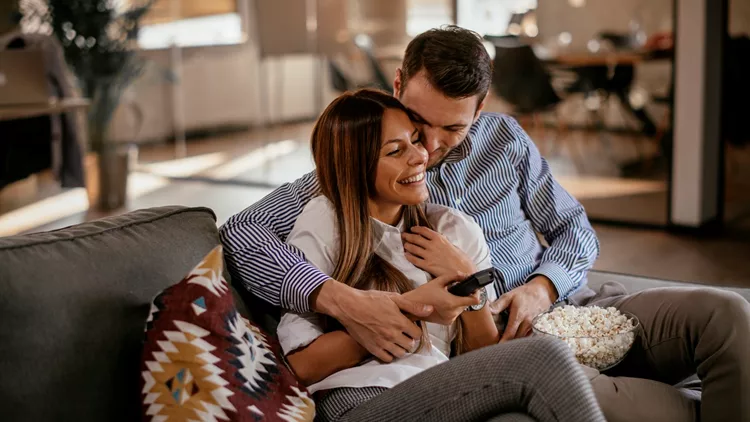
[98, 39]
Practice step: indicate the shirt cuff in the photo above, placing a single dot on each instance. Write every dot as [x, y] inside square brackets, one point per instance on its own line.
[559, 277]
[299, 283]
[298, 330]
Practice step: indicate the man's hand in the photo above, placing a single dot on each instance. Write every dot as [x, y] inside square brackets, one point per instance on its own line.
[373, 318]
[525, 303]
[447, 307]
[432, 252]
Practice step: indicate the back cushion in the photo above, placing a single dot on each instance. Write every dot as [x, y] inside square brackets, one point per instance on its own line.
[73, 304]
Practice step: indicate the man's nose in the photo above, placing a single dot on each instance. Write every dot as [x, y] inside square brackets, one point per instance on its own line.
[430, 138]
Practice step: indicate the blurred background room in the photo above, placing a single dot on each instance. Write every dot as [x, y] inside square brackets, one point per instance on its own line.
[640, 108]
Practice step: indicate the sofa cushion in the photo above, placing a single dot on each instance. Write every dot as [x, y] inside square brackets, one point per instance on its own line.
[73, 304]
[202, 358]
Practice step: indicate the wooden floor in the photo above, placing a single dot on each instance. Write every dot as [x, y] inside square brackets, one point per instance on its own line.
[229, 172]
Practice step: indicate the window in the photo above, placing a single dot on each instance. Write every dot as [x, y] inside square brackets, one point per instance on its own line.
[206, 30]
[188, 23]
[495, 17]
[422, 15]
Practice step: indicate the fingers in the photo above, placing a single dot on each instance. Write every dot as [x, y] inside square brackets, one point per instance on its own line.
[446, 280]
[415, 250]
[410, 331]
[415, 239]
[524, 330]
[380, 353]
[410, 307]
[399, 346]
[416, 261]
[395, 350]
[501, 304]
[512, 328]
[467, 301]
[406, 343]
[425, 232]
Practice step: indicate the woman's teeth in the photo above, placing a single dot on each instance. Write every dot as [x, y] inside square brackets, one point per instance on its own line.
[413, 179]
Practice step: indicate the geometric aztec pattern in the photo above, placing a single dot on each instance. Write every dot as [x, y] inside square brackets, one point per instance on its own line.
[202, 361]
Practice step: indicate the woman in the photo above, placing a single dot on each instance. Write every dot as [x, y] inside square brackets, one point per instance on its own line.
[370, 165]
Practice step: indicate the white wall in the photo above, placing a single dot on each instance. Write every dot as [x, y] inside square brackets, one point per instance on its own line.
[218, 86]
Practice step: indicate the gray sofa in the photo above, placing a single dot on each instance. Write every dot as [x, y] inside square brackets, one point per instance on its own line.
[73, 303]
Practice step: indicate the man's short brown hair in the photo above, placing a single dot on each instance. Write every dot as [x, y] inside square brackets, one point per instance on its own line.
[454, 59]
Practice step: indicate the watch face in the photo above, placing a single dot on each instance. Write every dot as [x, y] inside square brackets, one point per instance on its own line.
[483, 300]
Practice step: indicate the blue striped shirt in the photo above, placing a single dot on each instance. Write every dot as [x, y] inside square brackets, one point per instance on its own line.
[496, 175]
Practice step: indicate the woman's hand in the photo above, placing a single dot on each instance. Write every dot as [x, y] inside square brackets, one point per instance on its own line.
[447, 307]
[432, 252]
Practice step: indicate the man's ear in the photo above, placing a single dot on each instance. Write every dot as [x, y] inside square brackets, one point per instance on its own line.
[480, 107]
[397, 84]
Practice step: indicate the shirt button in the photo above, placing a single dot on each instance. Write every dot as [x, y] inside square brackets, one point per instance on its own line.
[458, 201]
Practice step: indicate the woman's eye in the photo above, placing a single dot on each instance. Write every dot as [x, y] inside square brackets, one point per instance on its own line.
[394, 152]
[417, 141]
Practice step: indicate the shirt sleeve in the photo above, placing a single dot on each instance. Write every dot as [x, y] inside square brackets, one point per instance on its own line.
[315, 234]
[298, 330]
[557, 216]
[257, 256]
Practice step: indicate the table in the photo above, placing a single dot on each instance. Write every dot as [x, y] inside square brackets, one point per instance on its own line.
[591, 59]
[583, 58]
[24, 111]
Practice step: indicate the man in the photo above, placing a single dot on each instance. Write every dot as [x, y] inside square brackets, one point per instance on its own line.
[486, 166]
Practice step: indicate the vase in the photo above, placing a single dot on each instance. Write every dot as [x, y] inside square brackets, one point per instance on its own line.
[108, 190]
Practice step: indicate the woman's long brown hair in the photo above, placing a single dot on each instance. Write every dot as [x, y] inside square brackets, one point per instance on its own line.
[346, 143]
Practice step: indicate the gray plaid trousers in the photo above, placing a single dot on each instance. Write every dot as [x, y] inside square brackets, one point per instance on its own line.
[536, 376]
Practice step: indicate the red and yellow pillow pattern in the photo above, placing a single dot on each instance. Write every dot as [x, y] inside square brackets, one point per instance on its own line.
[202, 361]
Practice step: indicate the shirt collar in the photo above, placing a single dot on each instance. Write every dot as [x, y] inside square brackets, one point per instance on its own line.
[380, 228]
[461, 151]
[382, 231]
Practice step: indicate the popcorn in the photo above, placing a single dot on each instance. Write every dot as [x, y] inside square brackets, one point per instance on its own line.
[599, 337]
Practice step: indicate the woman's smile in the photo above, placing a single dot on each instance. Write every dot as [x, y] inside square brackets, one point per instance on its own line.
[417, 179]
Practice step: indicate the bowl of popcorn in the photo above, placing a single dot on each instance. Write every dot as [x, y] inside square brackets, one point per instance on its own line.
[599, 337]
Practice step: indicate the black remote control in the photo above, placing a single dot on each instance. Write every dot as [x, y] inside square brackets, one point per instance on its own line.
[473, 283]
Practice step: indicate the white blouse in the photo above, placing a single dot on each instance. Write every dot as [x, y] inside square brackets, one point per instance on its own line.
[315, 233]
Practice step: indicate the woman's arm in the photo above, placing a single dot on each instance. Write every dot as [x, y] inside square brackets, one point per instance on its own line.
[479, 329]
[326, 355]
[312, 353]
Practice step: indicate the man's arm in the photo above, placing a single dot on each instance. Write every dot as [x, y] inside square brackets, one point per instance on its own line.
[560, 218]
[257, 256]
[562, 221]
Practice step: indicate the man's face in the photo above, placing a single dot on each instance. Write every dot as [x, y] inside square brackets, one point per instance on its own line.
[444, 122]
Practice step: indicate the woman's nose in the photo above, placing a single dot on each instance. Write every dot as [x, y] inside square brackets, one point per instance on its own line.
[417, 155]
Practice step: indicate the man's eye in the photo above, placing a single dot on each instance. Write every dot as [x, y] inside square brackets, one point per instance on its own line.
[417, 141]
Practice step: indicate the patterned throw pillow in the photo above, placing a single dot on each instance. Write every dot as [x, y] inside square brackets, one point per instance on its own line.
[202, 361]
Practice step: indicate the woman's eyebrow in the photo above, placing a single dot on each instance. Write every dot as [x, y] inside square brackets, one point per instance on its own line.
[416, 131]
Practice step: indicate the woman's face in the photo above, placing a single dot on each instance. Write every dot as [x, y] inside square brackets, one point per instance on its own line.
[400, 175]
